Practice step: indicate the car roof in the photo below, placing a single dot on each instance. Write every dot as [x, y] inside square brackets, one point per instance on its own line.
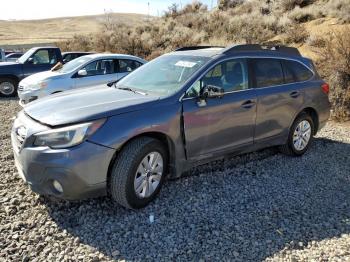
[205, 52]
[43, 47]
[76, 52]
[118, 56]
[253, 50]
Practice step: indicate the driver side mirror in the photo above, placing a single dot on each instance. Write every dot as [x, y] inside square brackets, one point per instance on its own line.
[82, 72]
[30, 60]
[211, 91]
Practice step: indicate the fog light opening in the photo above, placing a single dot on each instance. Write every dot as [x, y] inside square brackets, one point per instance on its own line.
[57, 186]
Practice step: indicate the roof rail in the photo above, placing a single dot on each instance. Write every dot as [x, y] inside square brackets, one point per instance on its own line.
[186, 48]
[256, 47]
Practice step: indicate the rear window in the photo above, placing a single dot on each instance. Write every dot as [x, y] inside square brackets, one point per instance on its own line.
[296, 72]
[268, 72]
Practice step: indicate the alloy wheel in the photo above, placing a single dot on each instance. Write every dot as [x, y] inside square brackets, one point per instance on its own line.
[302, 135]
[7, 88]
[148, 175]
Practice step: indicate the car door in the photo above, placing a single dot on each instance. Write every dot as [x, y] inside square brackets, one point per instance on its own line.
[220, 124]
[98, 72]
[41, 60]
[278, 100]
[126, 66]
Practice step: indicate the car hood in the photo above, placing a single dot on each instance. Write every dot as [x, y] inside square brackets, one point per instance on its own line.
[42, 76]
[85, 105]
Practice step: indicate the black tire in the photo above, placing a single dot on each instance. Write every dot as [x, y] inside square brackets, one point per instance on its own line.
[121, 180]
[289, 148]
[13, 90]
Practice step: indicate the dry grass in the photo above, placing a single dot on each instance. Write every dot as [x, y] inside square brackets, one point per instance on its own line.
[58, 29]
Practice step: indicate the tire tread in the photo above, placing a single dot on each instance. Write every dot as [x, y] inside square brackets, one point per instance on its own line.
[122, 167]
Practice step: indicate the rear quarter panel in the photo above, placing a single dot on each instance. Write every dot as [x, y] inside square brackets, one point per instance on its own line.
[315, 98]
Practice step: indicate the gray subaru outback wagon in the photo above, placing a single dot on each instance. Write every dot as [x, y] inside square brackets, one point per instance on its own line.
[182, 109]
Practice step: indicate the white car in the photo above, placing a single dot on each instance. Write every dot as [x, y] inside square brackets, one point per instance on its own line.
[85, 71]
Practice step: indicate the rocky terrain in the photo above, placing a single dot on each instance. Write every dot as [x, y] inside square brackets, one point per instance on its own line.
[260, 206]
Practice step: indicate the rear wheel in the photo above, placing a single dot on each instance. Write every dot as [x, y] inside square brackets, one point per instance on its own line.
[8, 87]
[300, 136]
[138, 173]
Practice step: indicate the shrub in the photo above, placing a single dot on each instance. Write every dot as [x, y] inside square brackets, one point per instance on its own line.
[316, 41]
[297, 34]
[288, 5]
[226, 4]
[334, 64]
[338, 9]
[194, 7]
[301, 15]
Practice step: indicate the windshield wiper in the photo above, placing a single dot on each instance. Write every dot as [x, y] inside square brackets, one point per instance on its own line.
[131, 90]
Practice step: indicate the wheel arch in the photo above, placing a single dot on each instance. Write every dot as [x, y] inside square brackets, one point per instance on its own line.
[314, 115]
[311, 112]
[167, 142]
[9, 76]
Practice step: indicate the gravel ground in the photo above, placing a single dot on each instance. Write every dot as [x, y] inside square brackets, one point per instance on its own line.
[261, 206]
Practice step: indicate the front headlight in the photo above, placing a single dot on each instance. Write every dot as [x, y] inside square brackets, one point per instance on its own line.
[67, 136]
[37, 86]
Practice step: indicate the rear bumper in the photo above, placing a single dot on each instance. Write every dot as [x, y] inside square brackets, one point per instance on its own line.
[81, 171]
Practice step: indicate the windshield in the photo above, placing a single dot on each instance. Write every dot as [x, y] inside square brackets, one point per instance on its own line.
[26, 55]
[164, 75]
[74, 64]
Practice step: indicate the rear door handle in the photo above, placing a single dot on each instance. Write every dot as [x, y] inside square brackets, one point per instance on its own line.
[248, 104]
[294, 94]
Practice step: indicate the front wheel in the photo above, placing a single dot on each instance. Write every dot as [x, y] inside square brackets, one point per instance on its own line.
[8, 87]
[138, 173]
[300, 136]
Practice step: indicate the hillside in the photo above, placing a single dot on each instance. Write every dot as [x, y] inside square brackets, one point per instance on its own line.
[58, 29]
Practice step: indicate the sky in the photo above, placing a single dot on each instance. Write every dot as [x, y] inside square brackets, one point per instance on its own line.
[39, 9]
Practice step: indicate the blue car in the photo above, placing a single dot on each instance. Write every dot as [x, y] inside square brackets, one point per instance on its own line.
[180, 110]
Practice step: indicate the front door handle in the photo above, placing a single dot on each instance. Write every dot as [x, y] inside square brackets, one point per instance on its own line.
[248, 104]
[294, 94]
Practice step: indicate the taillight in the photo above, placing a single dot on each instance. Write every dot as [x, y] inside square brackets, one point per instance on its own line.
[325, 88]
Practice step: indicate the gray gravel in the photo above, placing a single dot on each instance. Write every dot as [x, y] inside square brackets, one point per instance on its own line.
[261, 206]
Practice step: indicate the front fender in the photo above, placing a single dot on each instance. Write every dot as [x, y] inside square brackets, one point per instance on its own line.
[163, 119]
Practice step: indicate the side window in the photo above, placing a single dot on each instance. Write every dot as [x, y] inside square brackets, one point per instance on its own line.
[137, 64]
[41, 57]
[126, 66]
[267, 72]
[295, 72]
[231, 75]
[100, 67]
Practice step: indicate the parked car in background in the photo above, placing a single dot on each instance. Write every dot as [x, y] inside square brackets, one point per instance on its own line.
[2, 55]
[35, 60]
[12, 57]
[85, 71]
[177, 111]
[69, 56]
